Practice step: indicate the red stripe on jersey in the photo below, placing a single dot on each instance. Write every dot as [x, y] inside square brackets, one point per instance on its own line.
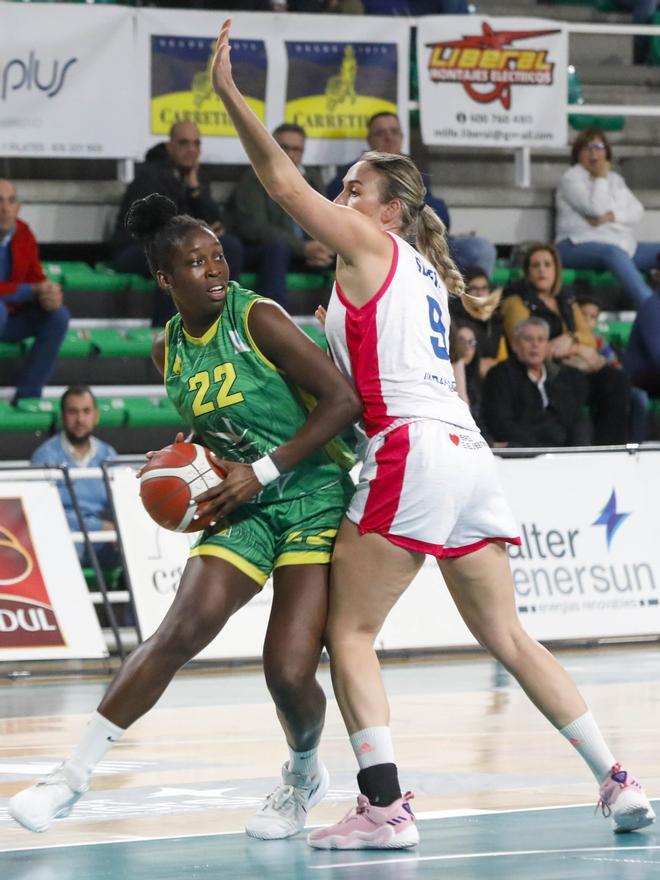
[385, 488]
[361, 329]
[471, 548]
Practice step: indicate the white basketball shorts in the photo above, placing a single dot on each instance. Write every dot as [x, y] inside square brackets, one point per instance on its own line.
[432, 487]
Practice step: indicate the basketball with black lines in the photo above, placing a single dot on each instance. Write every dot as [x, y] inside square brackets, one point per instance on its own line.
[171, 480]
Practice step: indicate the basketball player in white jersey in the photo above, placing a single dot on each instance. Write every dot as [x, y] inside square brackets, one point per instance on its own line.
[428, 483]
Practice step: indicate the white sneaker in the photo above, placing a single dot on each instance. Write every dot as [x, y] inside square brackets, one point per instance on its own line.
[624, 799]
[51, 797]
[284, 812]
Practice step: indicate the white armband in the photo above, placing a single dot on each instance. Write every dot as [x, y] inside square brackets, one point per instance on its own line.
[265, 470]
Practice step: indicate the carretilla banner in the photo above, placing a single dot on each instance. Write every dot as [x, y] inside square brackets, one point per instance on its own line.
[492, 82]
[291, 68]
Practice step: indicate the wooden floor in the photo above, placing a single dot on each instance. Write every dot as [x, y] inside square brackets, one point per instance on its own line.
[172, 797]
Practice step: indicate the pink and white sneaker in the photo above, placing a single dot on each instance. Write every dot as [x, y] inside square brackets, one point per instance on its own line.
[624, 799]
[369, 827]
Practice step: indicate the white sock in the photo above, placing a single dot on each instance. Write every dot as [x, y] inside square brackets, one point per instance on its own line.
[585, 736]
[99, 737]
[305, 763]
[373, 745]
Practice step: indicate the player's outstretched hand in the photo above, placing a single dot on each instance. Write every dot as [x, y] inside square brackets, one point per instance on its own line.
[239, 485]
[221, 75]
[180, 438]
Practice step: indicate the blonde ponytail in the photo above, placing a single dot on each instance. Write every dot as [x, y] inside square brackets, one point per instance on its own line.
[432, 243]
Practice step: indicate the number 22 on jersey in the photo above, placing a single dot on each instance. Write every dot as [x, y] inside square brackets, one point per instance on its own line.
[200, 383]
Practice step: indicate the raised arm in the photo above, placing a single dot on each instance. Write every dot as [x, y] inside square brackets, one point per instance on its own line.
[343, 230]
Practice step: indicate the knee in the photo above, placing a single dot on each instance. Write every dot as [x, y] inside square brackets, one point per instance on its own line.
[58, 321]
[287, 680]
[506, 644]
[177, 643]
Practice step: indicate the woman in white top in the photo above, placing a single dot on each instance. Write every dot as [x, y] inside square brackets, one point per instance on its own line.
[597, 215]
[428, 483]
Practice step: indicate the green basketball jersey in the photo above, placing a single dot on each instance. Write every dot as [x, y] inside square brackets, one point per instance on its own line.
[239, 404]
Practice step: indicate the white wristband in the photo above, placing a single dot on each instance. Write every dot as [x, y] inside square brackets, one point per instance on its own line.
[265, 470]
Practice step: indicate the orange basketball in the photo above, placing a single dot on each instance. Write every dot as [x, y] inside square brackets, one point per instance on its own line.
[171, 479]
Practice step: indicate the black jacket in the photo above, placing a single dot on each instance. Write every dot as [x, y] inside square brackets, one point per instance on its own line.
[513, 412]
[159, 175]
[488, 333]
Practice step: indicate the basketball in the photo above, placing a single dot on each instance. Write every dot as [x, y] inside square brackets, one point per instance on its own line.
[171, 479]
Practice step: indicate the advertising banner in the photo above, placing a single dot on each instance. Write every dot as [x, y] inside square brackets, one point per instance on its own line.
[492, 82]
[156, 558]
[288, 73]
[45, 609]
[66, 81]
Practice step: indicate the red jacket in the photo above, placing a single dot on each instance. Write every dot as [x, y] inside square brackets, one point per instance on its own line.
[25, 263]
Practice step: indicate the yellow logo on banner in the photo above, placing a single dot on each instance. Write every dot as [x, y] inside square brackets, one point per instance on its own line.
[340, 112]
[199, 105]
[11, 546]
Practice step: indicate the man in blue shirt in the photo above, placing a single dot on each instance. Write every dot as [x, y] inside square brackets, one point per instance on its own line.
[30, 304]
[76, 447]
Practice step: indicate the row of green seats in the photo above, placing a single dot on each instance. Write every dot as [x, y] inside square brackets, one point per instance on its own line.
[42, 414]
[595, 277]
[109, 342]
[81, 276]
[101, 278]
[105, 342]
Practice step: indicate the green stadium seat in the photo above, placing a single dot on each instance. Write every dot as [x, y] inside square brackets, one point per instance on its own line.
[142, 340]
[145, 412]
[112, 343]
[76, 344]
[617, 333]
[23, 418]
[294, 280]
[111, 411]
[10, 350]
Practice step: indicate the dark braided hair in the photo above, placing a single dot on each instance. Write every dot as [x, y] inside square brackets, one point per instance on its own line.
[155, 223]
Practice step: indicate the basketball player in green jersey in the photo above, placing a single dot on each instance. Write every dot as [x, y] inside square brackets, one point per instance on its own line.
[237, 369]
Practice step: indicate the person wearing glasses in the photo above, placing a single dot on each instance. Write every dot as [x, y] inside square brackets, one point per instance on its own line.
[479, 309]
[596, 219]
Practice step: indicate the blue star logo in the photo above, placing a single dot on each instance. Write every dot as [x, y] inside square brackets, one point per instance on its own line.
[610, 518]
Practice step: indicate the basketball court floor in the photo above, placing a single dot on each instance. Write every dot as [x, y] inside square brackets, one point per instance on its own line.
[498, 792]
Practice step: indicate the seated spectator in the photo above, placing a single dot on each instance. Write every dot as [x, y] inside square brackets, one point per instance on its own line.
[643, 12]
[572, 343]
[416, 7]
[597, 215]
[642, 356]
[274, 244]
[172, 169]
[531, 400]
[478, 308]
[385, 135]
[76, 447]
[466, 357]
[639, 400]
[30, 304]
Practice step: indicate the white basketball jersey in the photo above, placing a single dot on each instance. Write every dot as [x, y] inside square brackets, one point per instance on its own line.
[395, 349]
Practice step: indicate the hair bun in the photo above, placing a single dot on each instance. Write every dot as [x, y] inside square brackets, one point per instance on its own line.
[146, 216]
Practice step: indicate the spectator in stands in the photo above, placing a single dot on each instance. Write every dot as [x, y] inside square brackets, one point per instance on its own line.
[274, 244]
[530, 399]
[643, 12]
[465, 360]
[642, 355]
[30, 304]
[639, 400]
[385, 135]
[172, 169]
[572, 343]
[76, 447]
[478, 308]
[597, 215]
[416, 7]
